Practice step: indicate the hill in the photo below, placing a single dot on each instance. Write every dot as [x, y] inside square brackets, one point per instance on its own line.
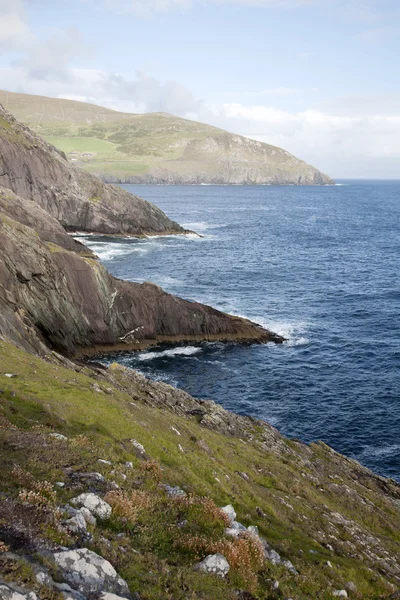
[114, 487]
[156, 147]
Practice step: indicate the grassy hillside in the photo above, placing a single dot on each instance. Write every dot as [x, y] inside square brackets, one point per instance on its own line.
[332, 518]
[155, 147]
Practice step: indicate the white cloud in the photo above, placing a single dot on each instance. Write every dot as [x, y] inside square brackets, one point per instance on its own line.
[146, 7]
[49, 59]
[14, 30]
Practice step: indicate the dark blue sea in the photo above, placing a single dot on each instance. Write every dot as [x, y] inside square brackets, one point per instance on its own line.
[319, 265]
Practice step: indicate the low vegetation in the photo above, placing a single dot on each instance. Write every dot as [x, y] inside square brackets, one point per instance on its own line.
[334, 520]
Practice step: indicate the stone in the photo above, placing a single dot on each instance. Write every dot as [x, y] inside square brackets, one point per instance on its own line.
[214, 563]
[237, 525]
[104, 462]
[340, 594]
[174, 492]
[138, 446]
[253, 530]
[10, 591]
[350, 586]
[59, 436]
[90, 477]
[273, 556]
[67, 592]
[96, 505]
[230, 512]
[290, 567]
[232, 532]
[43, 578]
[76, 524]
[108, 596]
[89, 573]
[87, 515]
[9, 375]
[129, 465]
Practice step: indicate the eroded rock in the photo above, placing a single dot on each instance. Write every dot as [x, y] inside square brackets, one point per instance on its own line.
[94, 504]
[214, 563]
[89, 573]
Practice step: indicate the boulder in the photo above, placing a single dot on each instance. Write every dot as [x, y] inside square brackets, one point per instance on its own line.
[174, 492]
[89, 573]
[214, 563]
[76, 524]
[9, 591]
[340, 594]
[230, 512]
[94, 504]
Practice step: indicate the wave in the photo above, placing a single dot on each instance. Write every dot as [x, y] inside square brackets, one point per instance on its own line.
[294, 332]
[181, 351]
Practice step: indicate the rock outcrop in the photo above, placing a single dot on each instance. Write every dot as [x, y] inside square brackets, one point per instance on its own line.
[35, 170]
[51, 295]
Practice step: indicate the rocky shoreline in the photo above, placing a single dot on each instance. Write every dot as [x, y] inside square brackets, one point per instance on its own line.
[111, 485]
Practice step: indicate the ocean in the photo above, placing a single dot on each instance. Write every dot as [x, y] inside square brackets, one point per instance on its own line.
[318, 265]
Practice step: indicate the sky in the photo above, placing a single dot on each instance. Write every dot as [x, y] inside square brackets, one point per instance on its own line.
[319, 78]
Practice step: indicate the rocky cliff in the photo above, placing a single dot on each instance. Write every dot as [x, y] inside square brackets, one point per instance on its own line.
[54, 292]
[35, 170]
[157, 147]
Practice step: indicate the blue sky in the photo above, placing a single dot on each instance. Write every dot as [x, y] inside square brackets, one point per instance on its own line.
[317, 77]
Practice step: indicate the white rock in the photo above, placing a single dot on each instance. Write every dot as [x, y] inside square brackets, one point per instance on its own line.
[214, 563]
[8, 593]
[104, 462]
[232, 532]
[94, 504]
[89, 573]
[253, 530]
[230, 511]
[108, 596]
[76, 524]
[59, 436]
[340, 594]
[87, 515]
[129, 465]
[237, 525]
[9, 375]
[138, 446]
[43, 578]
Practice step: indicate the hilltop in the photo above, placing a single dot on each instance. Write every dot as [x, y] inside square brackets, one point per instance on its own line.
[156, 147]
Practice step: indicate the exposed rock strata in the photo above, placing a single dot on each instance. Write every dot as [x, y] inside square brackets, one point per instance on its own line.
[35, 170]
[53, 296]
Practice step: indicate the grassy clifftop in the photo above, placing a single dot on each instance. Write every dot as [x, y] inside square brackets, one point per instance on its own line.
[333, 519]
[155, 147]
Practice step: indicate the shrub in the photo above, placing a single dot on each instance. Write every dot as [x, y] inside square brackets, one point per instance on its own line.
[128, 506]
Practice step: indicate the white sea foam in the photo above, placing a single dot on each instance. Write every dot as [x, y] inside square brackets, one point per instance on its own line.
[294, 332]
[180, 351]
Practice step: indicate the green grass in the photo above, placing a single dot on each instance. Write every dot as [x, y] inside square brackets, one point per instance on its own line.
[63, 400]
[81, 144]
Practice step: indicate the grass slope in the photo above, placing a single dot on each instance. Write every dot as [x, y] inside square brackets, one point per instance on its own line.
[122, 146]
[290, 491]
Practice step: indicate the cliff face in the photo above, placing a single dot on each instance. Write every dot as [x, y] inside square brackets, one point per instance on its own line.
[35, 170]
[53, 292]
[157, 147]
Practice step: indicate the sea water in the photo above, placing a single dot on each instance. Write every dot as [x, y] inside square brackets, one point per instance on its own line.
[320, 266]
